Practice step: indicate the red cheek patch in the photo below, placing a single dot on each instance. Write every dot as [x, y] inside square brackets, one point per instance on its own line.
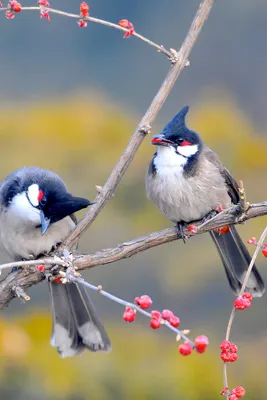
[186, 143]
[40, 195]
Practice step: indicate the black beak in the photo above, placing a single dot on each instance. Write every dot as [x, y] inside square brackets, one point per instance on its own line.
[45, 222]
[160, 140]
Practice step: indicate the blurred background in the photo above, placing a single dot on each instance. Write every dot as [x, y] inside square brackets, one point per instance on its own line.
[69, 101]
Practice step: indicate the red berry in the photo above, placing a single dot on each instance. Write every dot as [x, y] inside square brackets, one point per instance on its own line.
[264, 250]
[239, 303]
[167, 314]
[45, 14]
[155, 323]
[225, 356]
[40, 268]
[233, 348]
[252, 240]
[192, 228]
[174, 321]
[129, 314]
[239, 392]
[247, 296]
[232, 357]
[155, 314]
[185, 349]
[10, 15]
[57, 280]
[225, 345]
[130, 32]
[143, 301]
[201, 350]
[82, 23]
[125, 23]
[232, 397]
[43, 3]
[201, 343]
[84, 8]
[222, 230]
[246, 303]
[128, 25]
[15, 6]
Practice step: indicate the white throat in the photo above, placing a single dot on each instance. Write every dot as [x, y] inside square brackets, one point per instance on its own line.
[167, 159]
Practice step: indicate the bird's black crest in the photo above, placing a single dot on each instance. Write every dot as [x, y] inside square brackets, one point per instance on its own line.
[177, 129]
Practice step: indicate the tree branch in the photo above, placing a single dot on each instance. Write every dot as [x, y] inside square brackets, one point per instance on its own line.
[160, 48]
[29, 276]
[144, 126]
[99, 289]
[242, 290]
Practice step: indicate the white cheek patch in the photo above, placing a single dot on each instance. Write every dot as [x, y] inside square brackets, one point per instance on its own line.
[21, 209]
[187, 151]
[33, 192]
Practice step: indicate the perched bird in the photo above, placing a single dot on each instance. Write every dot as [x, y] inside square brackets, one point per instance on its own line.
[187, 181]
[37, 213]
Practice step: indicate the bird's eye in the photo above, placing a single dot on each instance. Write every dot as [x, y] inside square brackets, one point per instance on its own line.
[43, 201]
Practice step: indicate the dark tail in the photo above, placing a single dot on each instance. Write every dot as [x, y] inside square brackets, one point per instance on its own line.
[236, 259]
[76, 325]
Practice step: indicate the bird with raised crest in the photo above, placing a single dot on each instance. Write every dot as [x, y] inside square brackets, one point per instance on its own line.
[187, 182]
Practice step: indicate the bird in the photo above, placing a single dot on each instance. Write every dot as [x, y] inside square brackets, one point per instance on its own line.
[188, 182]
[36, 214]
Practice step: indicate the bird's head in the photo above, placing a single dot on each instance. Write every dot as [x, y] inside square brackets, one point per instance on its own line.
[40, 199]
[178, 138]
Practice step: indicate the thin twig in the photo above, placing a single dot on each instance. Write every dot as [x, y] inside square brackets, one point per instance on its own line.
[242, 194]
[144, 125]
[233, 312]
[19, 292]
[159, 48]
[39, 261]
[124, 303]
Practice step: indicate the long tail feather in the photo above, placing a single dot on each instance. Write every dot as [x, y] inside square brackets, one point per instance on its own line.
[76, 325]
[236, 259]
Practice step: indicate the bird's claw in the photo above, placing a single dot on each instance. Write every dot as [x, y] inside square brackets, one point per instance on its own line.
[180, 231]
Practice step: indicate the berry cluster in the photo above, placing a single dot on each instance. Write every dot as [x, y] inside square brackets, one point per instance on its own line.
[84, 12]
[237, 393]
[253, 241]
[124, 23]
[200, 345]
[168, 318]
[43, 12]
[243, 301]
[13, 6]
[229, 351]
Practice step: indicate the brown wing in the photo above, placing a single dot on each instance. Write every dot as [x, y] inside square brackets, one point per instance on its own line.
[231, 183]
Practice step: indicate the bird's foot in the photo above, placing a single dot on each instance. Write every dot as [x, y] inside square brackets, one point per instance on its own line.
[180, 231]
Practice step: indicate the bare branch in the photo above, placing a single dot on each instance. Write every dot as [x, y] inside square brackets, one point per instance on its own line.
[124, 303]
[30, 276]
[144, 125]
[233, 312]
[159, 48]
